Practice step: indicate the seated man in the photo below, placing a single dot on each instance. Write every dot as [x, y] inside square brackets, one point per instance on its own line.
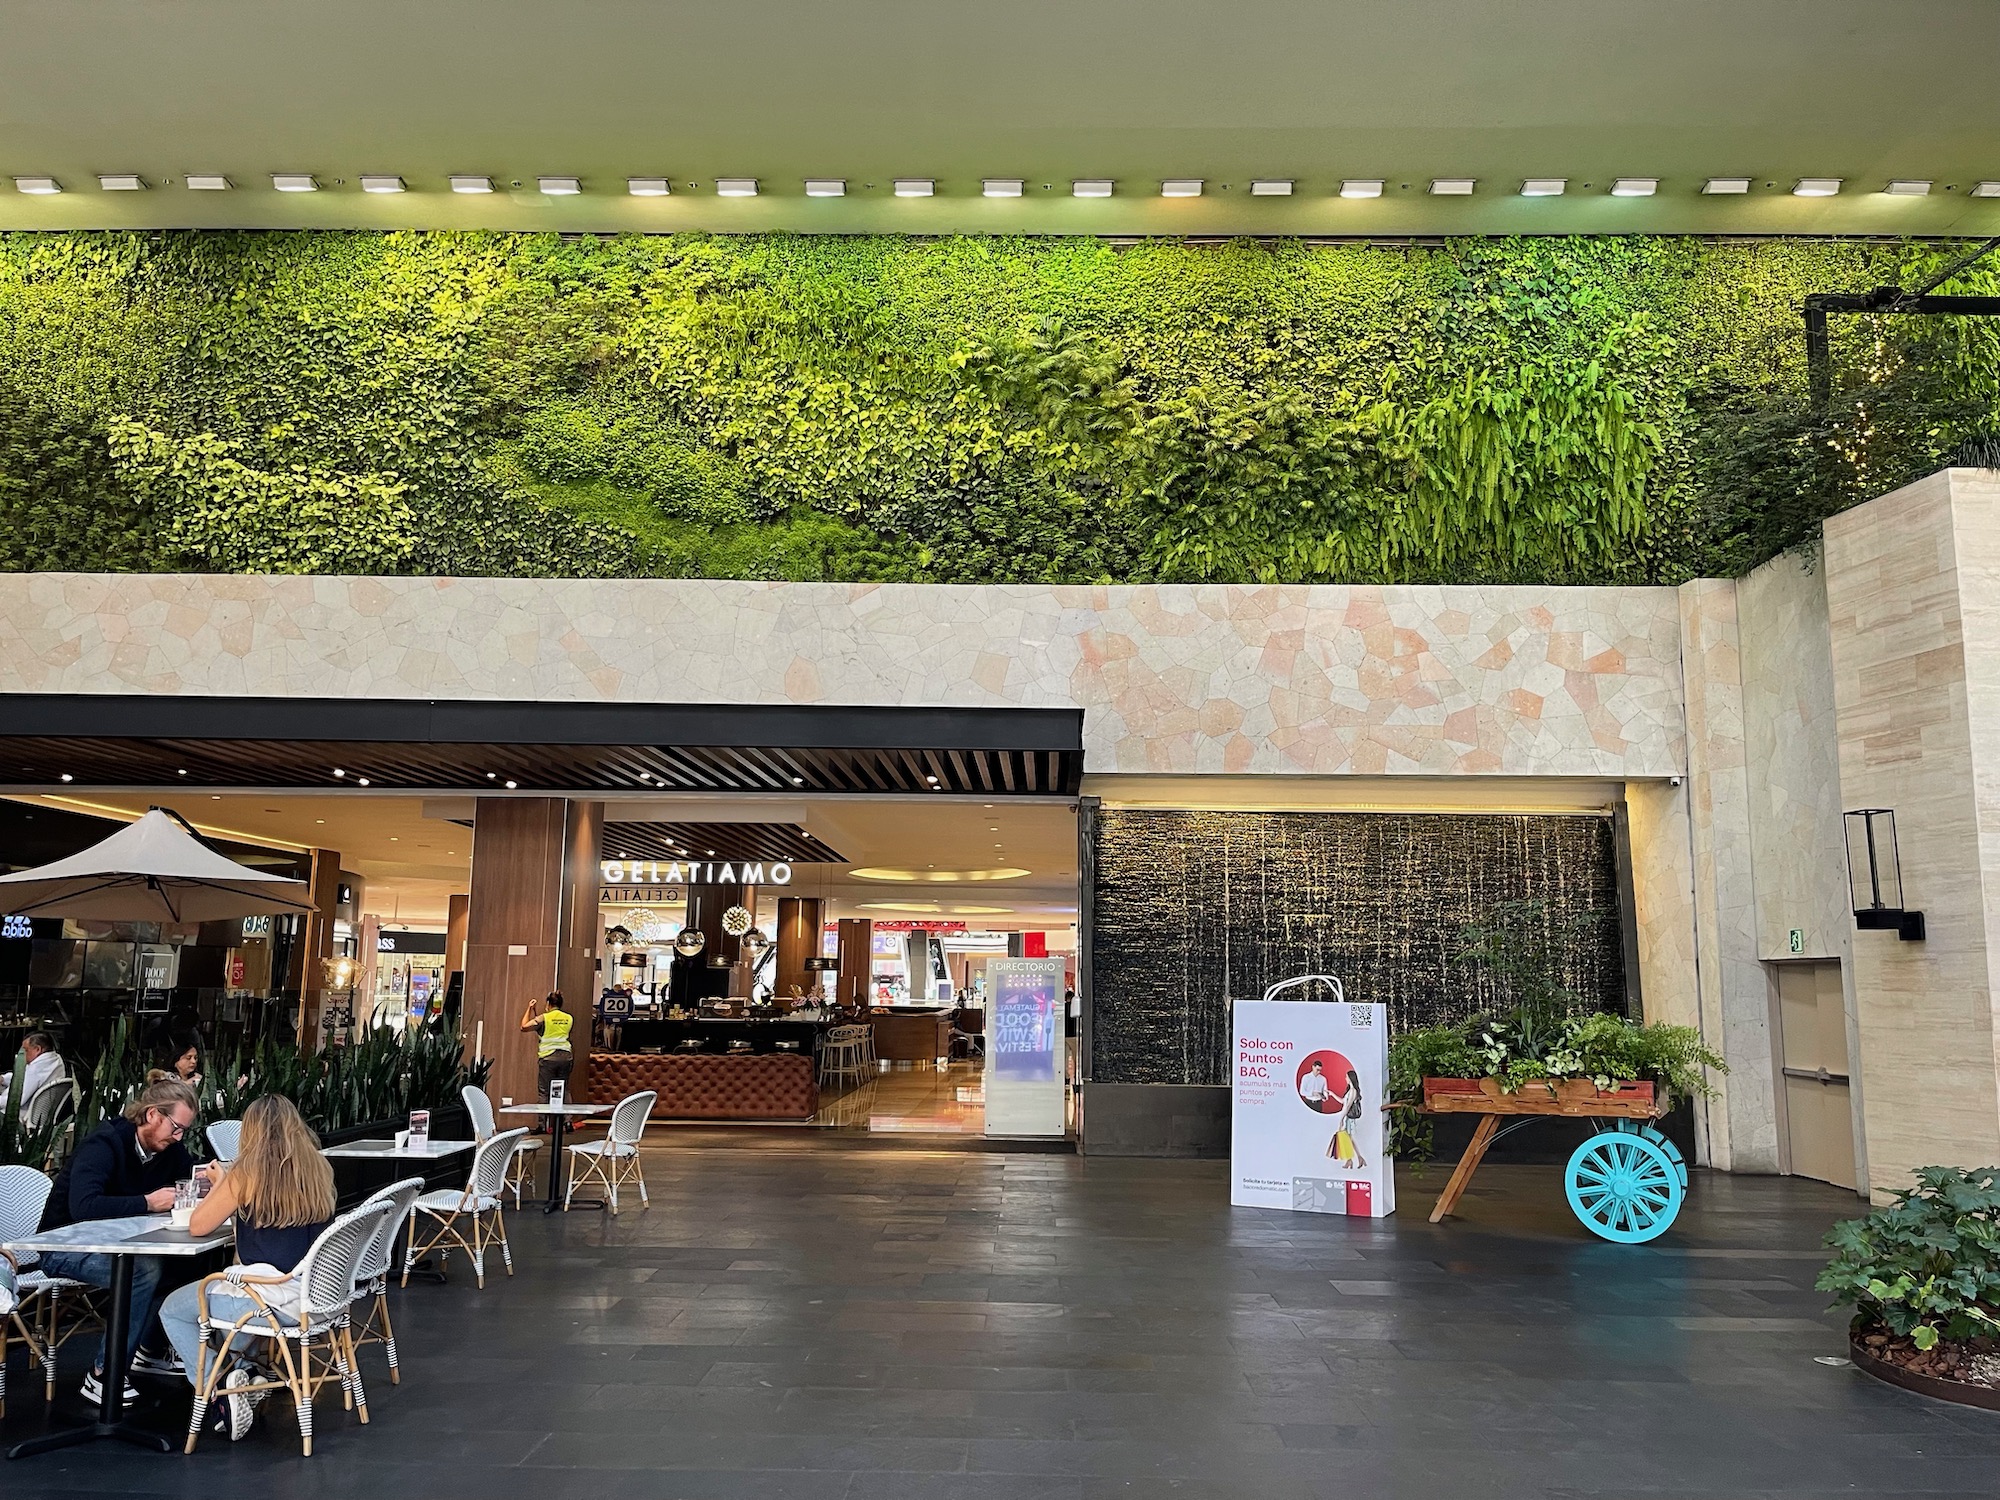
[44, 1064]
[126, 1167]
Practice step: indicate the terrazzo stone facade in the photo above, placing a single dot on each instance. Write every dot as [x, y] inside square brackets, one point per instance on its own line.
[1447, 681]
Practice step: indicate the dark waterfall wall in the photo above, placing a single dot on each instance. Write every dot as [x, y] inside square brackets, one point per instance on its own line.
[1196, 909]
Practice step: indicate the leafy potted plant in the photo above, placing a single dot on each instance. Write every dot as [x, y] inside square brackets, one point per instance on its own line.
[1923, 1278]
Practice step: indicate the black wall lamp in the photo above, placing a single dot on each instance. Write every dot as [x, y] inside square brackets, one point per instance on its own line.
[1875, 876]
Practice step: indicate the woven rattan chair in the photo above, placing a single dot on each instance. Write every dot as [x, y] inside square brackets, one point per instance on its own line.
[222, 1138]
[372, 1274]
[473, 1209]
[521, 1170]
[844, 1053]
[317, 1347]
[39, 1298]
[615, 1159]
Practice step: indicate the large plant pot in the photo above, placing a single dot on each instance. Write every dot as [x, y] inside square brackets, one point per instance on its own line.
[1957, 1391]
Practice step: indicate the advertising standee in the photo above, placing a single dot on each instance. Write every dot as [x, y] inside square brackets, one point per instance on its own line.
[1307, 1094]
[1024, 1048]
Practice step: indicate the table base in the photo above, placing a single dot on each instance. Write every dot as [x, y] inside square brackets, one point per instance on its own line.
[90, 1432]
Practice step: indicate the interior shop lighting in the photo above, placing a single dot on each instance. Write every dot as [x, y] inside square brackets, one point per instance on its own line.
[559, 187]
[375, 184]
[915, 187]
[647, 187]
[1090, 187]
[1986, 190]
[121, 182]
[1635, 187]
[37, 185]
[1544, 187]
[1908, 187]
[817, 187]
[512, 784]
[207, 182]
[338, 772]
[471, 184]
[1816, 187]
[1453, 187]
[1181, 187]
[735, 187]
[1000, 187]
[1369, 187]
[1726, 185]
[1271, 187]
[294, 182]
[67, 777]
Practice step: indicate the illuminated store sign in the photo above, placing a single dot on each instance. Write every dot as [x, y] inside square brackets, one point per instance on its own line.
[653, 872]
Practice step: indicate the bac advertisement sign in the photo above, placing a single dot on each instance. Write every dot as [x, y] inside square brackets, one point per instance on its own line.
[1307, 1123]
[1024, 1047]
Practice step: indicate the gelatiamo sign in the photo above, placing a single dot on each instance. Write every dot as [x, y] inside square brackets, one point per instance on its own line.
[654, 879]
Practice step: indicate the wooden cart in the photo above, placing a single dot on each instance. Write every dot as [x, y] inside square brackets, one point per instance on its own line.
[1625, 1183]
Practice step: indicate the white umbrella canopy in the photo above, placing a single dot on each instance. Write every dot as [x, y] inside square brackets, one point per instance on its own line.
[150, 871]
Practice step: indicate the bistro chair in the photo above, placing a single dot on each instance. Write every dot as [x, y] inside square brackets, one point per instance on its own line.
[615, 1159]
[473, 1209]
[314, 1301]
[371, 1274]
[521, 1170]
[36, 1315]
[844, 1053]
[222, 1138]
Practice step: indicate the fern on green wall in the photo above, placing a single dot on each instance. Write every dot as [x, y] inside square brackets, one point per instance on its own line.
[966, 410]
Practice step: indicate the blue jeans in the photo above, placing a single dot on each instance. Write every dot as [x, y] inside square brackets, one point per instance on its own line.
[95, 1270]
[180, 1315]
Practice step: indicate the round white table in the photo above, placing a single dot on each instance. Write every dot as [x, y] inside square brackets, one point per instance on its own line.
[558, 1116]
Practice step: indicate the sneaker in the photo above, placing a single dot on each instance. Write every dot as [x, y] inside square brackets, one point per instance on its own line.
[93, 1388]
[146, 1362]
[242, 1404]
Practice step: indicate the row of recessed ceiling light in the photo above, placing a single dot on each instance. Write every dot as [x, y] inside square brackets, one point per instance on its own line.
[1007, 187]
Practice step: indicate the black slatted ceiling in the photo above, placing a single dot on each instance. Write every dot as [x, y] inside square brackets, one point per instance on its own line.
[734, 842]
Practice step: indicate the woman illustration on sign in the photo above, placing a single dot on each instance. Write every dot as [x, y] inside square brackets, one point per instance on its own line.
[1348, 1106]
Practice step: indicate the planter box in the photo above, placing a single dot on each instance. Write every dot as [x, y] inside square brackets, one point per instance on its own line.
[1539, 1096]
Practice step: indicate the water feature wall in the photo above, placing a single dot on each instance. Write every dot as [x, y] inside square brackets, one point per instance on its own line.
[1195, 909]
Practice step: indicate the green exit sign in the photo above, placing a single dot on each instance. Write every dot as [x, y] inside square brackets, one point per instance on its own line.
[1798, 940]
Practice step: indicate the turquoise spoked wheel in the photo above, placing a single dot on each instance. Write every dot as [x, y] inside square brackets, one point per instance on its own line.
[1626, 1185]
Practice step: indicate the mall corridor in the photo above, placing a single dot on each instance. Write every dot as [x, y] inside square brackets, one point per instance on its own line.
[807, 1323]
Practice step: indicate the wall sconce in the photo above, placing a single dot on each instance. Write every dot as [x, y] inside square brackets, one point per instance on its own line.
[1875, 876]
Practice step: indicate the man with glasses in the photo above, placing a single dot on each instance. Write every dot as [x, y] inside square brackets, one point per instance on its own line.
[126, 1167]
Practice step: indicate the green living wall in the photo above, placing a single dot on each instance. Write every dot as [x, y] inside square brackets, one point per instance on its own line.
[969, 410]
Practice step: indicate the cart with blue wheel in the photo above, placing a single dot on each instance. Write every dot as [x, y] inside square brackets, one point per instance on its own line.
[1626, 1182]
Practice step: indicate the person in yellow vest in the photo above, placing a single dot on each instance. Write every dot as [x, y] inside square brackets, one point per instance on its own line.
[553, 1057]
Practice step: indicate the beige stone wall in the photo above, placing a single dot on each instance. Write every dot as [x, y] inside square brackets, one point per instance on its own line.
[1909, 586]
[1213, 679]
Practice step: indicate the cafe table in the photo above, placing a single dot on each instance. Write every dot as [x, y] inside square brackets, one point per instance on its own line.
[121, 1239]
[390, 1150]
[558, 1117]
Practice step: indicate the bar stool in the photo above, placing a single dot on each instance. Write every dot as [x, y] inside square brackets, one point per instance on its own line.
[845, 1053]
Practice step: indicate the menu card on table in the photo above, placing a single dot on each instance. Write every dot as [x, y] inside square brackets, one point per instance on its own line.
[420, 1129]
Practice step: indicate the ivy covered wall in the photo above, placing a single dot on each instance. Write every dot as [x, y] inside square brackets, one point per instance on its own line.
[970, 410]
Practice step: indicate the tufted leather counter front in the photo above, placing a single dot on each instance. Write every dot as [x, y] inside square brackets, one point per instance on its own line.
[710, 1086]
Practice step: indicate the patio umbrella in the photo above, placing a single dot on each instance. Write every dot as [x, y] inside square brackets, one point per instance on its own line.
[153, 870]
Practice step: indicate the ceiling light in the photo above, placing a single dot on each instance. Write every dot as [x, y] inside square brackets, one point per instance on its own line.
[559, 187]
[915, 187]
[207, 182]
[362, 780]
[821, 187]
[1090, 187]
[471, 184]
[1726, 185]
[1986, 190]
[1368, 187]
[180, 773]
[492, 775]
[511, 785]
[799, 781]
[1181, 187]
[67, 777]
[647, 187]
[1908, 187]
[338, 772]
[1816, 187]
[295, 182]
[1544, 187]
[37, 185]
[1635, 187]
[735, 187]
[1000, 187]
[932, 876]
[1271, 187]
[121, 182]
[372, 184]
[1453, 187]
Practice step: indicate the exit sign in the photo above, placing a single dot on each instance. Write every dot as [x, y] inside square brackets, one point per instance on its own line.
[1798, 940]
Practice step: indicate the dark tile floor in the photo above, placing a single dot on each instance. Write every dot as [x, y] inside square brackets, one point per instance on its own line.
[810, 1323]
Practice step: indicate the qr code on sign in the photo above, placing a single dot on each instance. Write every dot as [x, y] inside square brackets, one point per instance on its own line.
[1361, 1017]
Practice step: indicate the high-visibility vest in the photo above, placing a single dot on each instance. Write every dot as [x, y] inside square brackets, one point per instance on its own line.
[555, 1033]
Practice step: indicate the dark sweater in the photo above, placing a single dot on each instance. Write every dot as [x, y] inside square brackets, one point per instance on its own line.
[106, 1180]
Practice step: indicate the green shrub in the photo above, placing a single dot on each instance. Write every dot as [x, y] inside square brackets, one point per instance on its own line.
[1928, 1265]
